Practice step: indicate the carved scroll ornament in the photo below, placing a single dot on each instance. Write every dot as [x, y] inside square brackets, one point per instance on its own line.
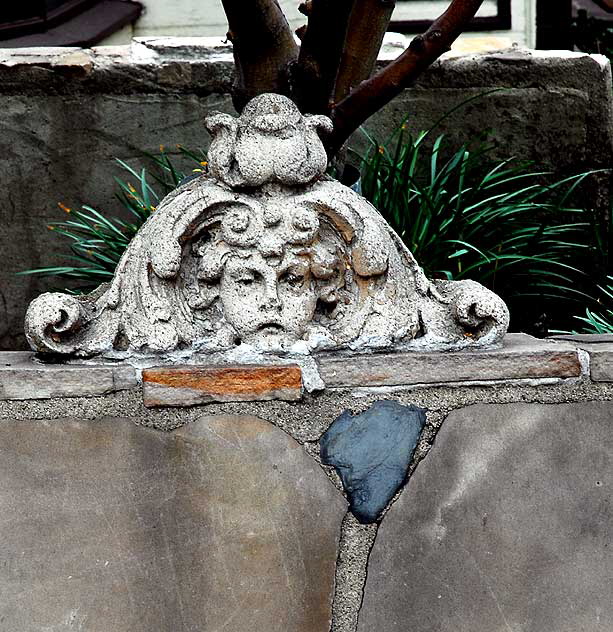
[266, 250]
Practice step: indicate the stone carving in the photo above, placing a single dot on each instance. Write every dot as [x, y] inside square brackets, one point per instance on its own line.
[268, 251]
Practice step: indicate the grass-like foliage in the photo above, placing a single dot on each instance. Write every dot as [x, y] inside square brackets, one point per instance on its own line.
[599, 320]
[98, 240]
[464, 216]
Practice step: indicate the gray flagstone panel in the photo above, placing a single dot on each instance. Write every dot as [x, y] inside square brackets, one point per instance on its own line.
[224, 524]
[506, 526]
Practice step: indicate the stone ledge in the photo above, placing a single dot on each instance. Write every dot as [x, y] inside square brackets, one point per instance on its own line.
[206, 65]
[521, 357]
[600, 349]
[23, 377]
[189, 386]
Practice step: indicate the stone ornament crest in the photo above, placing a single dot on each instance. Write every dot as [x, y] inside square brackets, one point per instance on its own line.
[266, 250]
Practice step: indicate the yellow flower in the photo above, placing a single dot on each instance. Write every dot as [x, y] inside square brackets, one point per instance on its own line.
[152, 208]
[161, 149]
[64, 207]
[381, 150]
[204, 163]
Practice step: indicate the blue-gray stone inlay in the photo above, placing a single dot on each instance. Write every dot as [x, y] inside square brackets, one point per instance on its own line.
[371, 452]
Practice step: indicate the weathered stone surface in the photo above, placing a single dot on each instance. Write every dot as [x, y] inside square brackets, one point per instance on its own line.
[600, 349]
[53, 106]
[24, 377]
[307, 266]
[187, 386]
[601, 362]
[102, 125]
[194, 49]
[109, 527]
[371, 452]
[506, 525]
[584, 339]
[520, 357]
[571, 89]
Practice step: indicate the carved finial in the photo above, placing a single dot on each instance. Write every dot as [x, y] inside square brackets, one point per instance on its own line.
[271, 141]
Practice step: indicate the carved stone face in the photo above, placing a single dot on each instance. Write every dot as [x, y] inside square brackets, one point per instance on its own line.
[269, 301]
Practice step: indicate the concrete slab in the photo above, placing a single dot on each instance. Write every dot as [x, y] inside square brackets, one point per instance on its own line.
[506, 525]
[225, 523]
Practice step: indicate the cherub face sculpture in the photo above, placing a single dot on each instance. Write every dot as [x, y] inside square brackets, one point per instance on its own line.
[268, 268]
[268, 299]
[266, 250]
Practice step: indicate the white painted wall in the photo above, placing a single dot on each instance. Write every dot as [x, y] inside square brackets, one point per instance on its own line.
[206, 18]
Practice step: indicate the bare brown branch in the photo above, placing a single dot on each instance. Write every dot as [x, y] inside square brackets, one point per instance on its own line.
[374, 93]
[264, 48]
[367, 26]
[322, 44]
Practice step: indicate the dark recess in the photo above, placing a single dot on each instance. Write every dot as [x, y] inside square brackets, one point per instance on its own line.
[64, 22]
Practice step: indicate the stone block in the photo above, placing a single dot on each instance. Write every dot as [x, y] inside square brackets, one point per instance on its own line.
[601, 362]
[224, 524]
[372, 452]
[190, 385]
[23, 377]
[600, 350]
[506, 525]
[521, 357]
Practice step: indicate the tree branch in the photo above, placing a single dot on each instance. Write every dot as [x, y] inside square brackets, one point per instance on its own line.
[322, 45]
[367, 26]
[263, 46]
[372, 94]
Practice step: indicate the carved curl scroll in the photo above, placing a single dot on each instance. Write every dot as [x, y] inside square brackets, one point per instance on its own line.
[265, 250]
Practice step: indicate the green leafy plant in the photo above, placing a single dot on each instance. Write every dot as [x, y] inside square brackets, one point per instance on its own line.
[97, 241]
[598, 320]
[500, 223]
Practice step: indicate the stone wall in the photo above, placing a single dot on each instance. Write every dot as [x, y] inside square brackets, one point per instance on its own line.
[127, 509]
[66, 113]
